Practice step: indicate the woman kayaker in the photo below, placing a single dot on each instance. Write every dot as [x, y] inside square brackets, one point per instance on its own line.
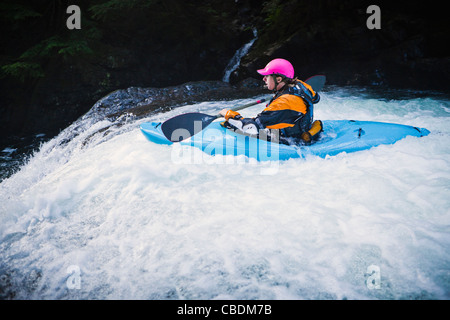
[288, 115]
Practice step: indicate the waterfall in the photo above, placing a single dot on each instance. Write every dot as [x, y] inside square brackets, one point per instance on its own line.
[236, 59]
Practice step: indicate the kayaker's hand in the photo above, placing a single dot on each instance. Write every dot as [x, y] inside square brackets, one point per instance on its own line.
[223, 112]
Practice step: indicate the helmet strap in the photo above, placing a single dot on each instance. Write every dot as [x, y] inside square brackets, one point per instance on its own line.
[275, 80]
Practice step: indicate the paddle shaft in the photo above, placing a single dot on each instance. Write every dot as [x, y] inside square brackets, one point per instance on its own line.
[244, 106]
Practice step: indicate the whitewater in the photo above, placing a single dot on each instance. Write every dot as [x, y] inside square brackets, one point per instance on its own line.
[99, 212]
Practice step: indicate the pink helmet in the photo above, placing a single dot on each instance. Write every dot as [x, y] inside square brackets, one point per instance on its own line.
[278, 66]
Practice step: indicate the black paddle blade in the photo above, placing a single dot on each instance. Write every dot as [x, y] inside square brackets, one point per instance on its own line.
[316, 82]
[186, 125]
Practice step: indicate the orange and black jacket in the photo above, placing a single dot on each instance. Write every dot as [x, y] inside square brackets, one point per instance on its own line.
[290, 111]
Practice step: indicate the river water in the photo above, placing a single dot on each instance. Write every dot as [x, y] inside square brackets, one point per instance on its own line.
[99, 212]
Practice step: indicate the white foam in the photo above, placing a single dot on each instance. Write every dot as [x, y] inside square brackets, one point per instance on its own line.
[140, 226]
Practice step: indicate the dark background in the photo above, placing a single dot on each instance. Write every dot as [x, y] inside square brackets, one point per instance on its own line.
[49, 75]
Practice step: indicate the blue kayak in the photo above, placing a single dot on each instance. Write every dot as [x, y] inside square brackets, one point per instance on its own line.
[337, 136]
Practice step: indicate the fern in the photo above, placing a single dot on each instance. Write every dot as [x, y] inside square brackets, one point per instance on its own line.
[23, 70]
[71, 49]
[16, 12]
[28, 65]
[104, 10]
[42, 49]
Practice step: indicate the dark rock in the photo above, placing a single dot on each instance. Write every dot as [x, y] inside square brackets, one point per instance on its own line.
[333, 39]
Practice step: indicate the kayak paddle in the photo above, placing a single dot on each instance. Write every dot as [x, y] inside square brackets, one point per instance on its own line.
[186, 125]
[316, 82]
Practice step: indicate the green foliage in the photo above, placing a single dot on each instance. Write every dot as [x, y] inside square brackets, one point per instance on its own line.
[74, 48]
[42, 49]
[284, 17]
[272, 11]
[103, 10]
[37, 33]
[28, 65]
[23, 70]
[16, 12]
[54, 40]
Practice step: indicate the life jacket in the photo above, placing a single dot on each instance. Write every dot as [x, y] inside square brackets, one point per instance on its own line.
[305, 127]
[299, 128]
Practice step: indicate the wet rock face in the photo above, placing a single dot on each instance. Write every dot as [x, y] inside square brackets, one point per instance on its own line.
[333, 38]
[141, 102]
